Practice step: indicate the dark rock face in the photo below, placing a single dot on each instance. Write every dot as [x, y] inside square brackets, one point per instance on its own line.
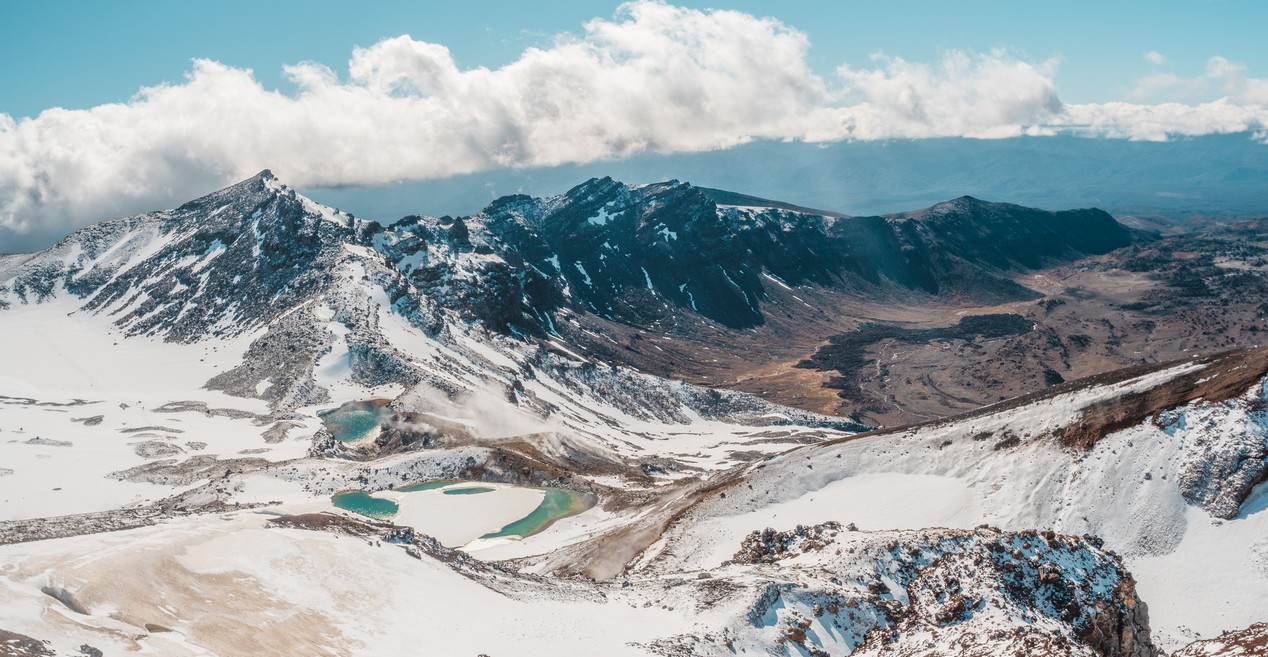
[278, 366]
[1224, 466]
[769, 545]
[1018, 237]
[1222, 481]
[257, 255]
[241, 257]
[633, 254]
[264, 251]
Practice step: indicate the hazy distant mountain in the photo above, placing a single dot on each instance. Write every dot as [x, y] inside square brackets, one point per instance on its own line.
[1219, 174]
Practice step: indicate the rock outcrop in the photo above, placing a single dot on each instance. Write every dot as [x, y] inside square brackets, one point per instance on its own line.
[1247, 642]
[944, 592]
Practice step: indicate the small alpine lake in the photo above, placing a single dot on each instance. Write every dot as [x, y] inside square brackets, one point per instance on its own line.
[459, 512]
[355, 420]
[363, 503]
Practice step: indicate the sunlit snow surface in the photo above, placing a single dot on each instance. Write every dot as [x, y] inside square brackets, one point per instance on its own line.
[81, 406]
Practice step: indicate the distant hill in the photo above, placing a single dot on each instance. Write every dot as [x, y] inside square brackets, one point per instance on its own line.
[1220, 175]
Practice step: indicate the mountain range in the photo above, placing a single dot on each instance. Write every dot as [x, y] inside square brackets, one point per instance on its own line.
[695, 421]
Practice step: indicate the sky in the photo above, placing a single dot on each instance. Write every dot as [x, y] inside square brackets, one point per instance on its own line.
[80, 54]
[161, 101]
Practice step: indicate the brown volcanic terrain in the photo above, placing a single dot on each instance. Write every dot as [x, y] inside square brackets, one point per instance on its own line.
[1246, 642]
[910, 359]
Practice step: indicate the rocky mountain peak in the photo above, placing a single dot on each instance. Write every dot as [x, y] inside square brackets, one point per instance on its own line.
[635, 254]
[256, 189]
[226, 262]
[593, 188]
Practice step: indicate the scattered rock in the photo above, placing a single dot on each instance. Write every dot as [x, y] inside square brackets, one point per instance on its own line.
[13, 644]
[277, 432]
[48, 442]
[156, 449]
[1247, 642]
[769, 546]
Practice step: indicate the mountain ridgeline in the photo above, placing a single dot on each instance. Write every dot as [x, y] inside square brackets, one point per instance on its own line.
[633, 253]
[239, 258]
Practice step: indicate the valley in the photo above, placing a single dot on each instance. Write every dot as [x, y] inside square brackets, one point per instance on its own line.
[632, 419]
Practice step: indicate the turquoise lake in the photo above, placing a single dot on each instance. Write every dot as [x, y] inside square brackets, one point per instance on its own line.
[556, 503]
[356, 420]
[362, 503]
[466, 491]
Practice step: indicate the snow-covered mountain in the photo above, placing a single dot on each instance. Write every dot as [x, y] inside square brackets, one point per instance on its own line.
[242, 257]
[312, 288]
[175, 379]
[311, 284]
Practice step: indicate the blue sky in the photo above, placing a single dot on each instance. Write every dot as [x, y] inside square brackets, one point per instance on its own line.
[79, 54]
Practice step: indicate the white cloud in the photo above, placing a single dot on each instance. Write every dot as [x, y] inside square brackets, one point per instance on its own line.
[1156, 58]
[1163, 121]
[656, 78]
[986, 95]
[1220, 78]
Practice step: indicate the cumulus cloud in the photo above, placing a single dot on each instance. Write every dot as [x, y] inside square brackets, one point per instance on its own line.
[1163, 121]
[654, 78]
[985, 95]
[1156, 58]
[1220, 78]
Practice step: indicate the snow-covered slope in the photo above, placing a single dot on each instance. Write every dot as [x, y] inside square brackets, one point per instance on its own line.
[174, 346]
[320, 584]
[1169, 482]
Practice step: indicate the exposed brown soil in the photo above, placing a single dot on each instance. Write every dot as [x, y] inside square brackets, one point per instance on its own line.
[1249, 642]
[334, 523]
[1255, 359]
[1226, 376]
[1144, 304]
[606, 556]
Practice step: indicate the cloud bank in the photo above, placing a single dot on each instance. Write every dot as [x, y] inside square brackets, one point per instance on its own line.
[655, 78]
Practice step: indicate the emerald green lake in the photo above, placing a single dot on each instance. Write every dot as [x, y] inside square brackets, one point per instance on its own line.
[557, 504]
[467, 491]
[356, 420]
[362, 503]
